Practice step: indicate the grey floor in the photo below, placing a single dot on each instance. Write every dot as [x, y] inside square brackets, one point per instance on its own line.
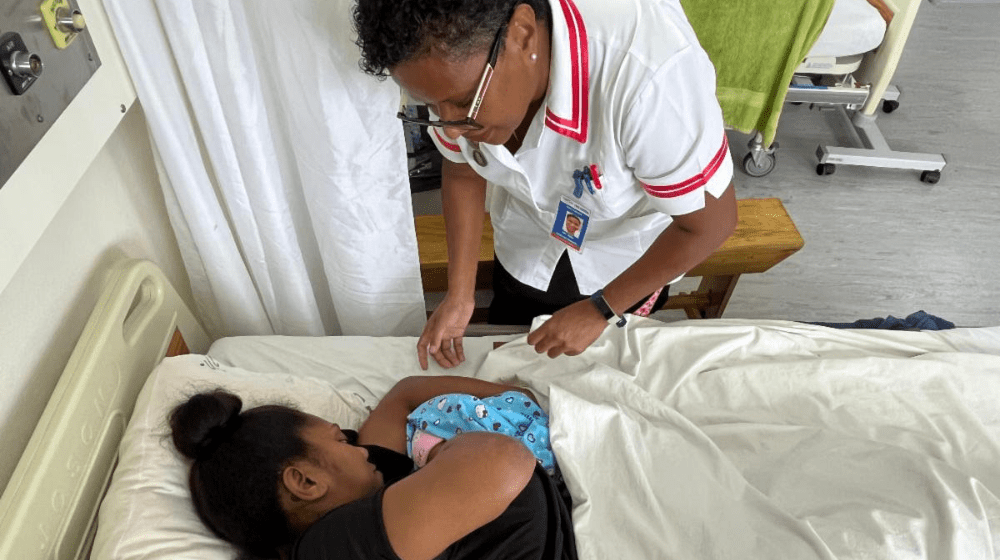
[879, 242]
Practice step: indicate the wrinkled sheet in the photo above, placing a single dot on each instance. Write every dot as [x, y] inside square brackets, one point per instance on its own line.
[736, 439]
[779, 441]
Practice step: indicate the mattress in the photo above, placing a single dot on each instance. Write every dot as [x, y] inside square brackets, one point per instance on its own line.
[854, 27]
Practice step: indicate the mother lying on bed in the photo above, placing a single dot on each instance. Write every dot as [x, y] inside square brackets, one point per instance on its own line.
[274, 481]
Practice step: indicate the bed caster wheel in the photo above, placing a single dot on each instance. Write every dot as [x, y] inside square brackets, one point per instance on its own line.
[930, 177]
[754, 170]
[889, 105]
[825, 169]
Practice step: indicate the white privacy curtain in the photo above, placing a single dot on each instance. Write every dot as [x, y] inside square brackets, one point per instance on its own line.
[282, 164]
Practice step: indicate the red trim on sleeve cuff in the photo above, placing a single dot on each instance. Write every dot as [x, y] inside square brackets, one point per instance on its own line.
[447, 144]
[694, 183]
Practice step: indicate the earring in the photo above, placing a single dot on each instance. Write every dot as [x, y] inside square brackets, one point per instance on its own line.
[534, 57]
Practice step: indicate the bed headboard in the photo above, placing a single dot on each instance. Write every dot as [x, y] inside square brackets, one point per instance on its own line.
[49, 508]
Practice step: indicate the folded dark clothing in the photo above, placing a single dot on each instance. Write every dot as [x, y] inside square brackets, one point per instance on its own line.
[918, 321]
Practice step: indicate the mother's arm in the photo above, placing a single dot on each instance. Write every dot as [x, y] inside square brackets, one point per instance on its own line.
[472, 480]
[386, 426]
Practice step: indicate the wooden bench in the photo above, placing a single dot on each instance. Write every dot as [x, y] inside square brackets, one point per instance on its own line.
[764, 236]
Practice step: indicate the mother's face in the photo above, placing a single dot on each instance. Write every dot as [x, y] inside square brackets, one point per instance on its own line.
[347, 465]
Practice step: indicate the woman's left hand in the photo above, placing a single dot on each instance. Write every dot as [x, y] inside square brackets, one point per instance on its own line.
[570, 330]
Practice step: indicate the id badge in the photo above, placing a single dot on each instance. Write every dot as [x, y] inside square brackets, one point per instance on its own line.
[571, 225]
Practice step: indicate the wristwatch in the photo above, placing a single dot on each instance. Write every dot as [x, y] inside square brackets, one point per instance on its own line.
[597, 298]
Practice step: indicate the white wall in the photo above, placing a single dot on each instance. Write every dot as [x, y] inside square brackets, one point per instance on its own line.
[43, 182]
[115, 210]
[63, 221]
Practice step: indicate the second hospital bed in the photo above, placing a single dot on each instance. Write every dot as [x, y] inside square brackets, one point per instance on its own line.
[706, 440]
[839, 54]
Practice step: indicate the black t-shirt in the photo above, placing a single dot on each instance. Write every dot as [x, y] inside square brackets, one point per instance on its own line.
[536, 526]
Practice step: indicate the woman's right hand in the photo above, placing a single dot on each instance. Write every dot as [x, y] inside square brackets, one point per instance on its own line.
[442, 336]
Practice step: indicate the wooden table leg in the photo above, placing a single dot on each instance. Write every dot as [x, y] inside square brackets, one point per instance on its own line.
[693, 313]
[719, 289]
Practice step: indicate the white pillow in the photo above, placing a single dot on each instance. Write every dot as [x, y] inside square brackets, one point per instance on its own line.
[148, 512]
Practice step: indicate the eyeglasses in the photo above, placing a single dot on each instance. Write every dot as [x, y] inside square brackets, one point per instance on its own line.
[469, 122]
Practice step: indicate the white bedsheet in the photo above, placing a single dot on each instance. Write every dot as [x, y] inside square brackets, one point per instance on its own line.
[854, 27]
[732, 439]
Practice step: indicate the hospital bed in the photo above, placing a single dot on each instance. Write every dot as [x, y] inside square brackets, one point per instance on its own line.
[874, 74]
[703, 439]
[848, 68]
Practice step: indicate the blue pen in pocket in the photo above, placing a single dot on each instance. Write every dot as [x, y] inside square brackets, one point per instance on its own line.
[578, 180]
[582, 178]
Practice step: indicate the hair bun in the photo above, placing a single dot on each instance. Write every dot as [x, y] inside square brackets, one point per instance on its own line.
[205, 421]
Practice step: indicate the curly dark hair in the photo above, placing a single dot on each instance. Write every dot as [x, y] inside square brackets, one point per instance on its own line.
[391, 32]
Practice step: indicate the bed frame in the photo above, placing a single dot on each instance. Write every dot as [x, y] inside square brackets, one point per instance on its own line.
[49, 508]
[857, 102]
[870, 146]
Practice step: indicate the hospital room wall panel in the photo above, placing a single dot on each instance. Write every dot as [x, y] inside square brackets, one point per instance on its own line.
[115, 210]
[39, 186]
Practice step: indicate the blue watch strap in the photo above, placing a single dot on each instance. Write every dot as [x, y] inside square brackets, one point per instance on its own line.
[597, 298]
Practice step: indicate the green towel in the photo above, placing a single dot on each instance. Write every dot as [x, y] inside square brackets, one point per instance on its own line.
[756, 45]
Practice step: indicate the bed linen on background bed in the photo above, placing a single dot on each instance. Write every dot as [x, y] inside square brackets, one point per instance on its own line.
[716, 439]
[854, 27]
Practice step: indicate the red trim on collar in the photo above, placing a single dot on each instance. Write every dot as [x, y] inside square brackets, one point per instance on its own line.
[577, 126]
[694, 183]
[447, 144]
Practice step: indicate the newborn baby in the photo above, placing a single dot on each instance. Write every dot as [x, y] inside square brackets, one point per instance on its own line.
[512, 413]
